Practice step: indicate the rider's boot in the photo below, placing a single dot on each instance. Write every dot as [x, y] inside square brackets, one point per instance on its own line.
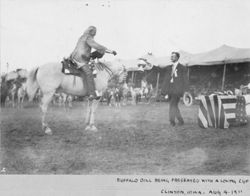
[90, 82]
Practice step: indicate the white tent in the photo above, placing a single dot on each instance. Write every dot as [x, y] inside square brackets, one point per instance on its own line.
[221, 55]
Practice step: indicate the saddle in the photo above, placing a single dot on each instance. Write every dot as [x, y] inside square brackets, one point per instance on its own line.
[70, 67]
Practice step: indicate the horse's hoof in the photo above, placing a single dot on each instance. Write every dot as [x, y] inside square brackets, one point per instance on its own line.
[93, 128]
[87, 128]
[48, 131]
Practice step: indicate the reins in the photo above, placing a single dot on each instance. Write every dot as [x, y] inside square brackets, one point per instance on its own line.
[103, 67]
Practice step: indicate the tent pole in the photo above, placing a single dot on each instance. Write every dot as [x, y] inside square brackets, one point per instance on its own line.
[157, 82]
[224, 76]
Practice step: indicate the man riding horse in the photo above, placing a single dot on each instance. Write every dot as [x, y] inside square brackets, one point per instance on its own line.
[82, 55]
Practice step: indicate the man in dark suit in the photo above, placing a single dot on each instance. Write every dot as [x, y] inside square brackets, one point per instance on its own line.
[174, 85]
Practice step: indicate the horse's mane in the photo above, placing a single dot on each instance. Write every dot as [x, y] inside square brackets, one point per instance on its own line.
[114, 80]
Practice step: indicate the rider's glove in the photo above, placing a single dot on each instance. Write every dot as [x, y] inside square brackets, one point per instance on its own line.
[114, 52]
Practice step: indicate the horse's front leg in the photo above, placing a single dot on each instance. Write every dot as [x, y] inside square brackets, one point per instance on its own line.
[87, 118]
[46, 99]
[90, 118]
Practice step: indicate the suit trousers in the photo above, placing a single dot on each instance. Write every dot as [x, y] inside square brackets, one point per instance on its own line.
[174, 111]
[90, 79]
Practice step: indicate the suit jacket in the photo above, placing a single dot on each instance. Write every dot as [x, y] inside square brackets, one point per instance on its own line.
[180, 81]
[83, 48]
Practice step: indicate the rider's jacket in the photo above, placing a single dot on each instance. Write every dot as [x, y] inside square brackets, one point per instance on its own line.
[83, 47]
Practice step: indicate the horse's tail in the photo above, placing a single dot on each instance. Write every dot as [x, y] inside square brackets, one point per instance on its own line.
[32, 84]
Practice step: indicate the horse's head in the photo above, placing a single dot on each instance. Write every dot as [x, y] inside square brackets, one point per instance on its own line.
[108, 76]
[119, 77]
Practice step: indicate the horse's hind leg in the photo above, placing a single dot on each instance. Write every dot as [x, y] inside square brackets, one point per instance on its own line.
[46, 99]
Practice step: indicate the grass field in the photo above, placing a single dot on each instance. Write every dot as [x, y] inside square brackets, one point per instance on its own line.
[130, 140]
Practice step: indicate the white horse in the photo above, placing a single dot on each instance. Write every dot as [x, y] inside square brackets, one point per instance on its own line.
[134, 92]
[57, 99]
[65, 100]
[50, 79]
[21, 92]
[12, 94]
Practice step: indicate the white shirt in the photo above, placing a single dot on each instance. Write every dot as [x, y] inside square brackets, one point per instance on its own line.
[174, 73]
[174, 66]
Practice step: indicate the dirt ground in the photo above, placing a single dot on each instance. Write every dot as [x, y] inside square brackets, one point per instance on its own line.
[130, 140]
